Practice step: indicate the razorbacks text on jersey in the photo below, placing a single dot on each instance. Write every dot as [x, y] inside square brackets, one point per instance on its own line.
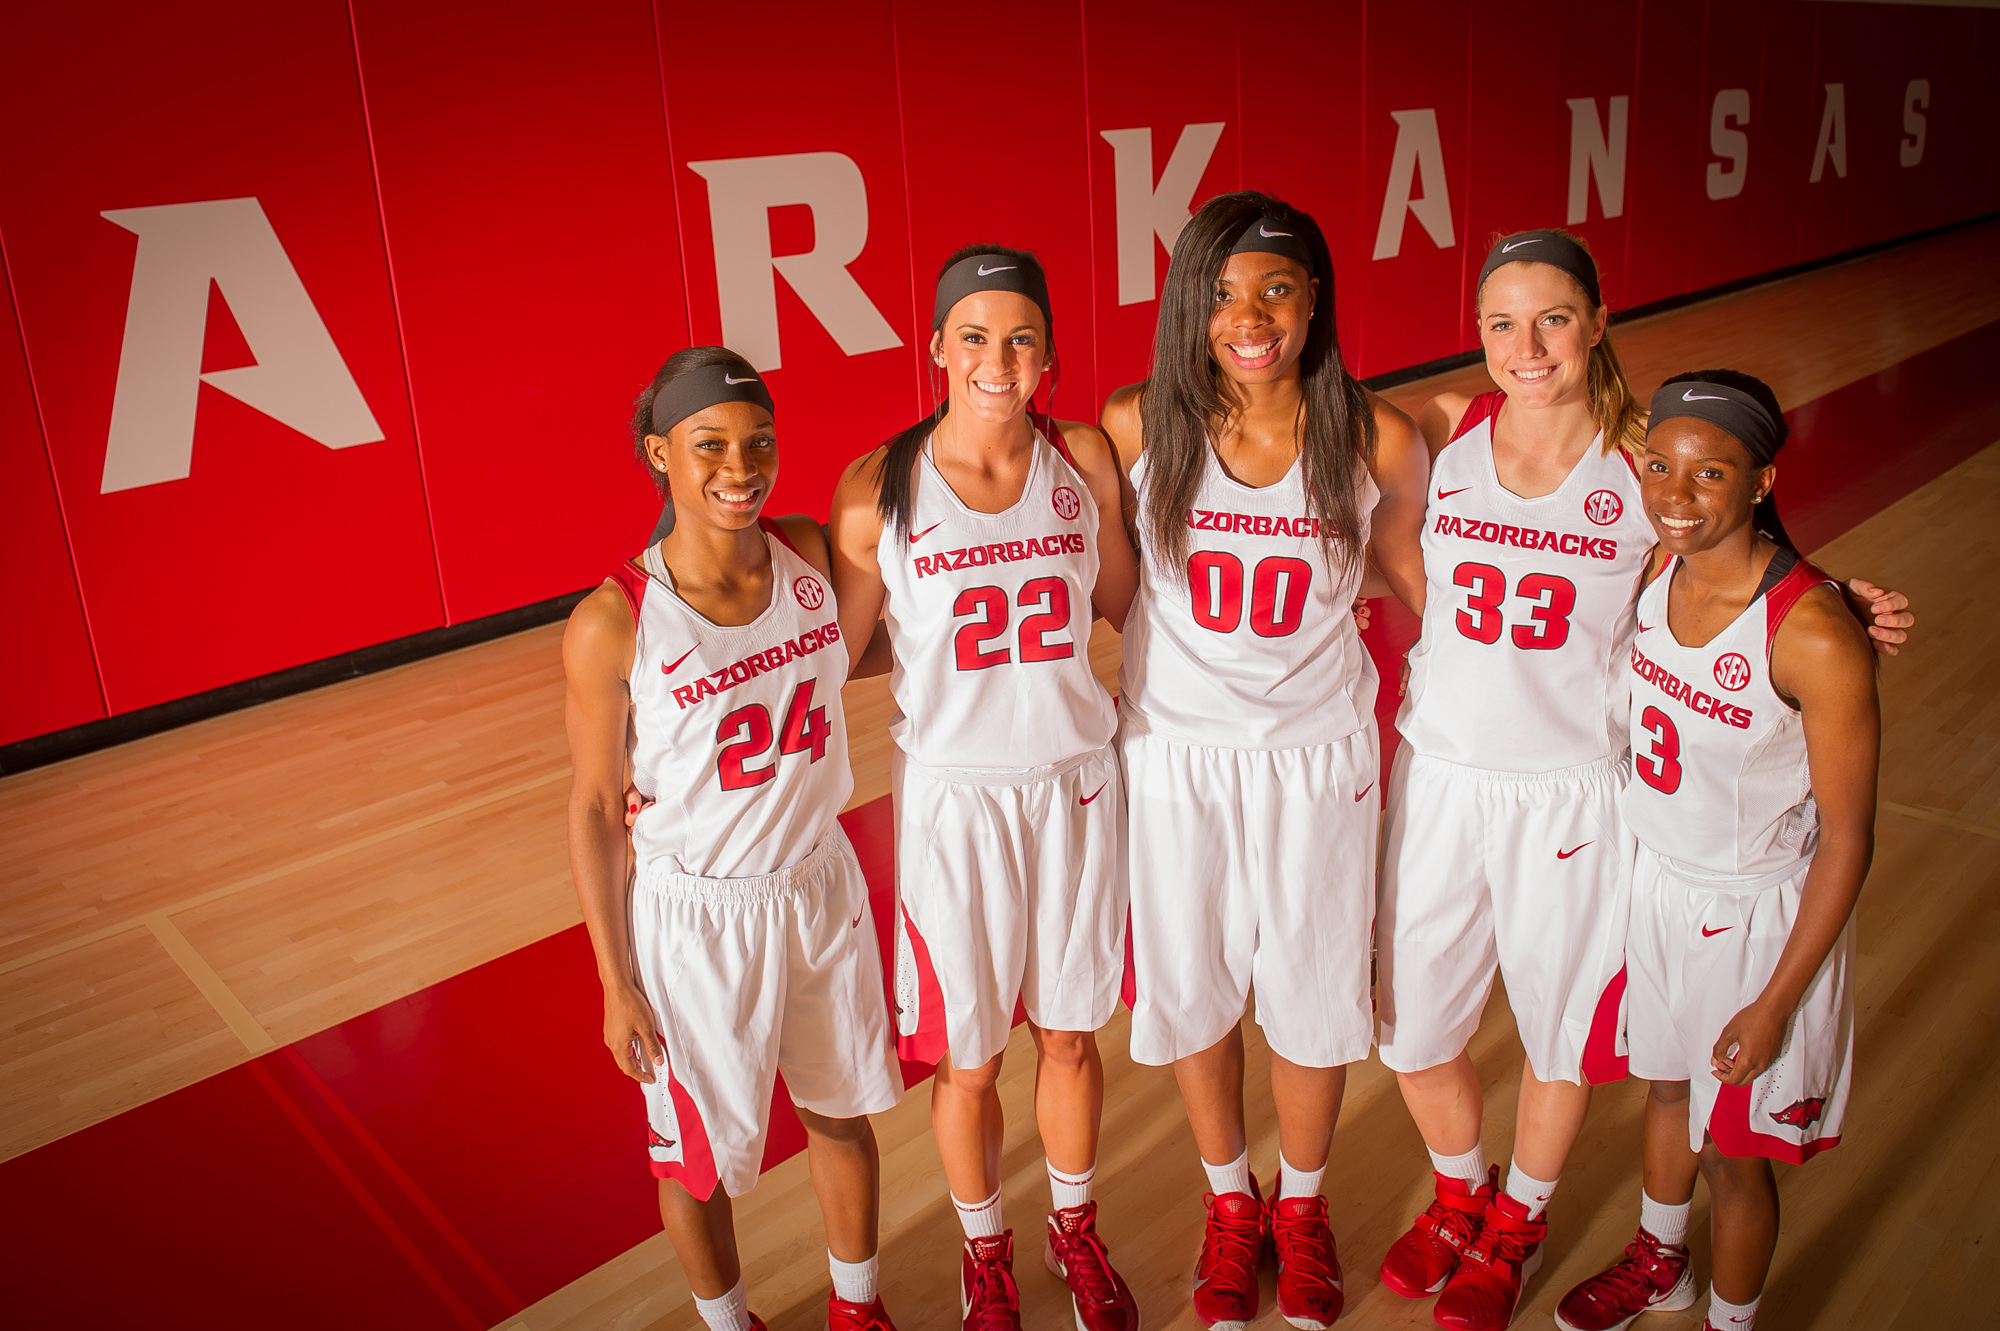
[1720, 781]
[1251, 644]
[989, 614]
[738, 737]
[1526, 606]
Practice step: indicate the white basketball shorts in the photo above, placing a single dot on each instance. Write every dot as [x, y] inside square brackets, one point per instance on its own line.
[749, 977]
[1526, 874]
[1701, 949]
[1251, 868]
[1008, 890]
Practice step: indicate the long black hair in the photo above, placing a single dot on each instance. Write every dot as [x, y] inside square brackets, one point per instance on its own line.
[1764, 518]
[895, 477]
[1186, 401]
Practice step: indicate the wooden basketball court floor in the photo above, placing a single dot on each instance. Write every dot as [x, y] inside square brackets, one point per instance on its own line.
[299, 1026]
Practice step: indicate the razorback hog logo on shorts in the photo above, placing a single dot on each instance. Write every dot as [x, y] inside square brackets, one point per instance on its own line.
[1066, 504]
[1732, 670]
[810, 593]
[1801, 1114]
[1603, 507]
[655, 1140]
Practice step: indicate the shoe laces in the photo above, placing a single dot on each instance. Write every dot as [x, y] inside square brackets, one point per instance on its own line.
[1234, 1243]
[996, 1302]
[1498, 1243]
[1086, 1264]
[1634, 1277]
[1305, 1242]
[1450, 1225]
[848, 1316]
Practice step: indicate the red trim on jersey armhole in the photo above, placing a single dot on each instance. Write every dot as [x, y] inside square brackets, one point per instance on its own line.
[696, 1167]
[1053, 433]
[771, 525]
[1729, 1126]
[1778, 602]
[1128, 988]
[1482, 408]
[929, 1042]
[632, 580]
[1602, 1063]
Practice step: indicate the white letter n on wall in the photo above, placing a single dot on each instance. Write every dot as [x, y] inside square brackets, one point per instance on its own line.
[1594, 152]
[299, 378]
[741, 193]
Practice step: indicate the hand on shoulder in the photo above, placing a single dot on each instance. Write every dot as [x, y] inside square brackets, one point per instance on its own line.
[1439, 417]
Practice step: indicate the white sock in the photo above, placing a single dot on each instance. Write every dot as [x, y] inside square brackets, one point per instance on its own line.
[1232, 1177]
[1470, 1167]
[1296, 1182]
[1529, 1191]
[855, 1281]
[981, 1219]
[1727, 1316]
[1070, 1190]
[731, 1312]
[1668, 1224]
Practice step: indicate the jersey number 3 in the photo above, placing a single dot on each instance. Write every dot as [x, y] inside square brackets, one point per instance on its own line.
[804, 730]
[1659, 768]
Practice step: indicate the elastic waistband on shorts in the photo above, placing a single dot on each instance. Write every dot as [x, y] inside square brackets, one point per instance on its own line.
[1735, 884]
[999, 776]
[1133, 723]
[1612, 767]
[742, 891]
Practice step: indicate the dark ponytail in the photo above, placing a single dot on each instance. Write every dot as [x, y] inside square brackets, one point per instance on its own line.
[895, 477]
[1764, 518]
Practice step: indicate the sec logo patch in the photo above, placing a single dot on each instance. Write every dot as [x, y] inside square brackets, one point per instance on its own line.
[810, 593]
[1604, 507]
[1066, 503]
[1732, 671]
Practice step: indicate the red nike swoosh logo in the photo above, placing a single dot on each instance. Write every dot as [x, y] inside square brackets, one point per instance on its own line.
[919, 535]
[1707, 932]
[1362, 793]
[856, 924]
[1093, 794]
[1645, 628]
[1565, 854]
[669, 669]
[1446, 494]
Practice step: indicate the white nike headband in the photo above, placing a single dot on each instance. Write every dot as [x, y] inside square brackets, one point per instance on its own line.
[1549, 247]
[1746, 419]
[1019, 273]
[1268, 235]
[704, 387]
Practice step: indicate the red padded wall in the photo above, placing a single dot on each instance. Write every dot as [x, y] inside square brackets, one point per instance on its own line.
[530, 215]
[274, 549]
[1665, 177]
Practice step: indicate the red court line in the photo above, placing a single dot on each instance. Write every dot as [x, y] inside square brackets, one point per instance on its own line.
[417, 1196]
[487, 1100]
[390, 1229]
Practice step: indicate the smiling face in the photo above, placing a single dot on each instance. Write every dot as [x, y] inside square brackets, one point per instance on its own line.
[1699, 484]
[721, 463]
[994, 347]
[1538, 327]
[1263, 306]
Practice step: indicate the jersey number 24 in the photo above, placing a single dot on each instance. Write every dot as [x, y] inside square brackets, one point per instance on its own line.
[804, 730]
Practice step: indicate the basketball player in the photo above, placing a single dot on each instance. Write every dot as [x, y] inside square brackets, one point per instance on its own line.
[743, 947]
[1755, 734]
[1266, 478]
[985, 533]
[1503, 846]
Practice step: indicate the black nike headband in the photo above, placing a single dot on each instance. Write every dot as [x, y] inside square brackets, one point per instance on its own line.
[1549, 247]
[1746, 419]
[707, 386]
[1018, 273]
[1267, 235]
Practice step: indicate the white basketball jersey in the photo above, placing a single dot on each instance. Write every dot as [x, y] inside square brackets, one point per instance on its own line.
[1527, 605]
[1720, 781]
[989, 615]
[1251, 644]
[738, 736]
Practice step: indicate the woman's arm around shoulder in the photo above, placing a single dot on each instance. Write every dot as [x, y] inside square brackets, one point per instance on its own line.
[1117, 565]
[1402, 472]
[854, 536]
[1438, 419]
[1122, 426]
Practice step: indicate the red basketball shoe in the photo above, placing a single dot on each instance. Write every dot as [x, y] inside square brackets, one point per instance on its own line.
[1225, 1279]
[1482, 1293]
[1309, 1291]
[1097, 1293]
[1651, 1277]
[1423, 1259]
[986, 1284]
[844, 1316]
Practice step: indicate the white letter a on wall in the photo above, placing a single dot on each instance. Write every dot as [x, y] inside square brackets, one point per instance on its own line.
[299, 378]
